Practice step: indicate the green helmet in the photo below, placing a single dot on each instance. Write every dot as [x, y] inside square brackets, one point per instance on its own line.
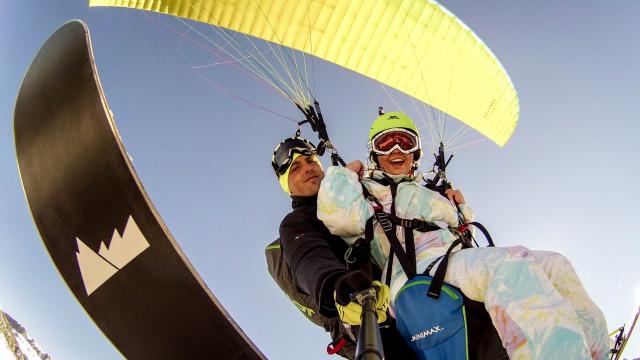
[392, 120]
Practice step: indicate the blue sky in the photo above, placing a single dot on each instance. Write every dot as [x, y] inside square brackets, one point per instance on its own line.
[567, 180]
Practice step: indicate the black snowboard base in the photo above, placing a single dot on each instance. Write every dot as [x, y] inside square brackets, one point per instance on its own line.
[99, 226]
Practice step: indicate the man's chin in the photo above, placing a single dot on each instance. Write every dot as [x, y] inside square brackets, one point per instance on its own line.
[314, 188]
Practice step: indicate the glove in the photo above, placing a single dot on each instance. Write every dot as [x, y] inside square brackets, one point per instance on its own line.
[350, 283]
[351, 313]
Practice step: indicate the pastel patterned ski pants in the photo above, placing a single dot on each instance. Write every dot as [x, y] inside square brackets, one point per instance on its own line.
[535, 300]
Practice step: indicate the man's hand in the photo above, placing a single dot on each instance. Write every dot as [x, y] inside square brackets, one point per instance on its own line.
[350, 283]
[357, 167]
[351, 313]
[455, 196]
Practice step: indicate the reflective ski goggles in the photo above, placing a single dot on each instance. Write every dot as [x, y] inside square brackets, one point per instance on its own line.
[283, 154]
[387, 141]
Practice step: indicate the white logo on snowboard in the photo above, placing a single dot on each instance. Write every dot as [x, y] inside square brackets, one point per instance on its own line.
[96, 269]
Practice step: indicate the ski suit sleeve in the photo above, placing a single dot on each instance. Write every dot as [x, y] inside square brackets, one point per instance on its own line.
[341, 204]
[467, 212]
[313, 264]
[439, 208]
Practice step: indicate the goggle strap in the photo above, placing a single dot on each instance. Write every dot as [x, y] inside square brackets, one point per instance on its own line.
[396, 146]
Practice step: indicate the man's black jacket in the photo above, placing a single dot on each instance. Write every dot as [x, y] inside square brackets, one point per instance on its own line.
[316, 260]
[314, 255]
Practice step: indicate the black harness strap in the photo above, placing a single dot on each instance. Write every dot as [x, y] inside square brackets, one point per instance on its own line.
[414, 224]
[368, 229]
[433, 263]
[389, 229]
[409, 244]
[357, 256]
[410, 248]
[438, 277]
[394, 189]
[387, 280]
[484, 232]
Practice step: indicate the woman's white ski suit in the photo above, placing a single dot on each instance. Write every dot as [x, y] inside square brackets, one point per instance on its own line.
[535, 299]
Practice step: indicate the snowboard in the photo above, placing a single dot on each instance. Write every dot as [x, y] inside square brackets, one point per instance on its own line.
[99, 226]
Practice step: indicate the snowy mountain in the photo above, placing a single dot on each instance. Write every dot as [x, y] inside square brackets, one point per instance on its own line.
[15, 343]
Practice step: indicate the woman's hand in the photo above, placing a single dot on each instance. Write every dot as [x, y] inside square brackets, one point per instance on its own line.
[357, 167]
[455, 196]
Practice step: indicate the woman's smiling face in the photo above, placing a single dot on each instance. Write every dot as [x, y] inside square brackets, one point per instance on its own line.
[396, 163]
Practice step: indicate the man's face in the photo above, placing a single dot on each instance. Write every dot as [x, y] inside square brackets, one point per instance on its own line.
[305, 175]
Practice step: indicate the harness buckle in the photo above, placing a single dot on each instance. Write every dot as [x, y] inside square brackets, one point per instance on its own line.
[408, 224]
[384, 221]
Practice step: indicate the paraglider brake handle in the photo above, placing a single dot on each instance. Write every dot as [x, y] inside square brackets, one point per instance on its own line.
[440, 163]
[439, 183]
[300, 123]
[314, 118]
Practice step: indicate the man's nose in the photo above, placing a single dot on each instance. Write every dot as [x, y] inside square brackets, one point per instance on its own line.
[307, 168]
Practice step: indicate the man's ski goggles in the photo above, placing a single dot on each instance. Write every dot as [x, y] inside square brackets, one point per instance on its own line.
[283, 154]
[388, 141]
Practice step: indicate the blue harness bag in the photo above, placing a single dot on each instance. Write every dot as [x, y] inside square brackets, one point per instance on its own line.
[430, 314]
[433, 328]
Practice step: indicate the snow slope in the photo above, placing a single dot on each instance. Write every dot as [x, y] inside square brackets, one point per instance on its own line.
[11, 332]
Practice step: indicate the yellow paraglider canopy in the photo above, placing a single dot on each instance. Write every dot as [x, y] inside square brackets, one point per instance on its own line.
[414, 46]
